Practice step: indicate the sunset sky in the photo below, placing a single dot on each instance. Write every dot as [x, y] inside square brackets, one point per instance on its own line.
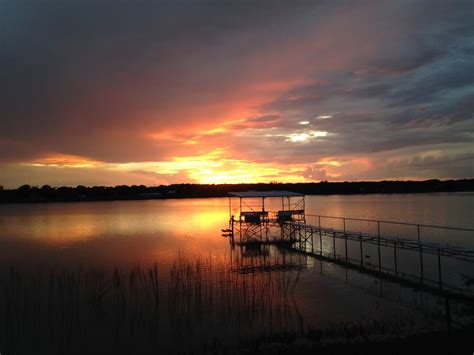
[159, 92]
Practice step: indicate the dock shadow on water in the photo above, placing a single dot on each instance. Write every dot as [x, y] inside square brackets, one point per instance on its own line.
[247, 302]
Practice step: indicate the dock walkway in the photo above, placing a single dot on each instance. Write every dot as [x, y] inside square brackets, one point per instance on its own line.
[423, 263]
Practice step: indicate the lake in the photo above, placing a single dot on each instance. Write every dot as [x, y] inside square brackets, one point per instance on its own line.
[181, 239]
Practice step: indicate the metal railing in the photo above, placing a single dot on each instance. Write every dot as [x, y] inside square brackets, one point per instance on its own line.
[418, 227]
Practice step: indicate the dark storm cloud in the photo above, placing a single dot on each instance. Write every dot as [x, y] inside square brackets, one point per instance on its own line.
[104, 71]
[417, 91]
[120, 81]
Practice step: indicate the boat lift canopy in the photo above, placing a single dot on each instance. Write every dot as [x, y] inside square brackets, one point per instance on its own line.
[265, 194]
[287, 211]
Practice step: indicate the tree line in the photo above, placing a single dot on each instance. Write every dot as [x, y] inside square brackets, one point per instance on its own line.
[46, 193]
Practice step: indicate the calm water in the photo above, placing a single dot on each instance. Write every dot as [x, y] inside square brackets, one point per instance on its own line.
[129, 233]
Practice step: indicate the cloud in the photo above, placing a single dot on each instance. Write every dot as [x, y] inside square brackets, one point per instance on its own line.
[118, 83]
[314, 173]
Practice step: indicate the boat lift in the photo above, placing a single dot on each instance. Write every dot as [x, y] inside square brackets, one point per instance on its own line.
[258, 210]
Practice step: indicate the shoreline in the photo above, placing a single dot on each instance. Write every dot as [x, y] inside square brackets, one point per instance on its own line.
[48, 194]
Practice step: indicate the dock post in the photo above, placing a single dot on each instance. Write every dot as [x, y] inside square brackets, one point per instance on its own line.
[240, 220]
[421, 252]
[304, 237]
[421, 263]
[312, 241]
[232, 229]
[320, 242]
[345, 236]
[320, 237]
[378, 246]
[345, 241]
[395, 257]
[439, 269]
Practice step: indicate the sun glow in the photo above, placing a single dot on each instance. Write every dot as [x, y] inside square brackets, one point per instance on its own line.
[216, 168]
[302, 137]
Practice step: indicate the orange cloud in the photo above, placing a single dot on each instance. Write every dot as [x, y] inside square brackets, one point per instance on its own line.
[64, 160]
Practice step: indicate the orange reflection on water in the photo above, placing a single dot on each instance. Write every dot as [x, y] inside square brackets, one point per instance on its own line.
[115, 233]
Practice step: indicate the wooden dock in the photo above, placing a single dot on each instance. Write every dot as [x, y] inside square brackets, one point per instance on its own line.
[317, 236]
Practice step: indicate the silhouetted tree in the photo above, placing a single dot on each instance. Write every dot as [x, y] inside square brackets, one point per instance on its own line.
[27, 193]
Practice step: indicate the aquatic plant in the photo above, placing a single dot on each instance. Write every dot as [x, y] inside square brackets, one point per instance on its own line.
[199, 305]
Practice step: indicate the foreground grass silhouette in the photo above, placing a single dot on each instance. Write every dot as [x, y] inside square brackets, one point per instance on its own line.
[199, 306]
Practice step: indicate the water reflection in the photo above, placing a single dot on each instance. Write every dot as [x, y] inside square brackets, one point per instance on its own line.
[104, 235]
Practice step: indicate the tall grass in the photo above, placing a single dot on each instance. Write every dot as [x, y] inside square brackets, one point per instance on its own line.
[62, 310]
[199, 305]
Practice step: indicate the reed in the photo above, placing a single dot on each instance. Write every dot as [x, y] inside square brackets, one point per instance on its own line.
[198, 305]
[58, 309]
